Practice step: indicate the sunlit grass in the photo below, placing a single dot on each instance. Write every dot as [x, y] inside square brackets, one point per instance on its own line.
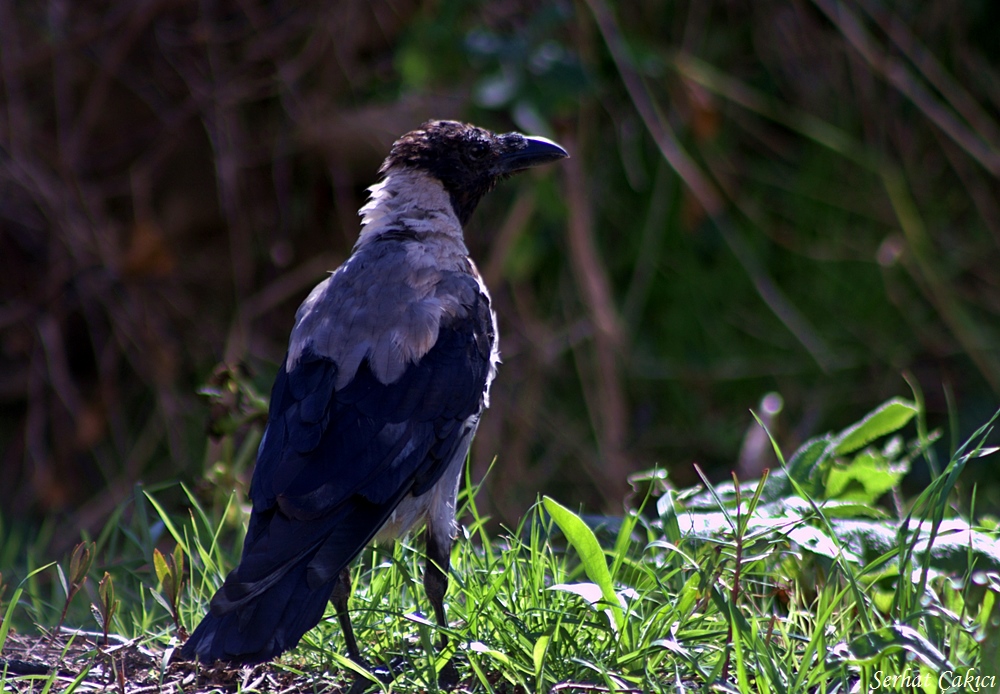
[759, 587]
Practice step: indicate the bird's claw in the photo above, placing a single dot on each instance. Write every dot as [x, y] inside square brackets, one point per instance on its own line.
[448, 676]
[387, 673]
[383, 673]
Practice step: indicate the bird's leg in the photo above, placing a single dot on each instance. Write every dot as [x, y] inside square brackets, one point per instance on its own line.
[339, 596]
[436, 580]
[435, 585]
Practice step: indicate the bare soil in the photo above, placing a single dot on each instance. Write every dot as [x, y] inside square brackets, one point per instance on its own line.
[82, 660]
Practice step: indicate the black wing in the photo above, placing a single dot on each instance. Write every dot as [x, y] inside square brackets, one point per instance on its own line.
[331, 468]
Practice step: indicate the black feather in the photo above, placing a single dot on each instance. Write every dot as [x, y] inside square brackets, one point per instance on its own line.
[331, 468]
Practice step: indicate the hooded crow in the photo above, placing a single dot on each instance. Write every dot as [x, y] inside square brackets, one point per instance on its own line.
[387, 372]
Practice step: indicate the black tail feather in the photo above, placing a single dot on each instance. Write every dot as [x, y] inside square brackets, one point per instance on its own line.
[263, 626]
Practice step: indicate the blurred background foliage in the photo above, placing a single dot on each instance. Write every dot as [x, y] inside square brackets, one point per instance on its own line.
[793, 197]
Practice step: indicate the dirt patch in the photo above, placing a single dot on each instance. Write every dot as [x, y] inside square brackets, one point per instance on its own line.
[78, 661]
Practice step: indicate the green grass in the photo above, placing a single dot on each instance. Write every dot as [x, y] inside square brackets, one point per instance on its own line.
[799, 582]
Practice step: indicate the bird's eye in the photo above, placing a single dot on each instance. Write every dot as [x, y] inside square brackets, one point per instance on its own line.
[478, 151]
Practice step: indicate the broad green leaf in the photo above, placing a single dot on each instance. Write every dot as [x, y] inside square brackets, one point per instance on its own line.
[885, 419]
[591, 555]
[864, 479]
[538, 653]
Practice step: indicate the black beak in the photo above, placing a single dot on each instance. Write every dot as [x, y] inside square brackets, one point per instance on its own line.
[523, 152]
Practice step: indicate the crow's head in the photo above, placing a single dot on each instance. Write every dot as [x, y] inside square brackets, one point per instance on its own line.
[468, 160]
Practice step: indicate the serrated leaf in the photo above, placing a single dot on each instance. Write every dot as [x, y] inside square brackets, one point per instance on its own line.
[885, 419]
